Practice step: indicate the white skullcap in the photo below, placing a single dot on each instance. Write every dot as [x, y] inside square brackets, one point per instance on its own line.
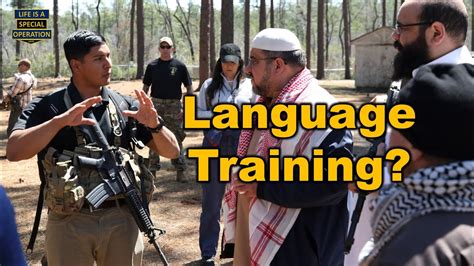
[275, 39]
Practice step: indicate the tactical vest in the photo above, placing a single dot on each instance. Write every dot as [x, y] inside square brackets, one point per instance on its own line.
[68, 182]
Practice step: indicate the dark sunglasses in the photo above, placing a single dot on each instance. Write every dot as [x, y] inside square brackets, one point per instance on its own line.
[165, 47]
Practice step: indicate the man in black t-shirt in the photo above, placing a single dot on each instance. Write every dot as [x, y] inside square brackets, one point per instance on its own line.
[165, 76]
[52, 127]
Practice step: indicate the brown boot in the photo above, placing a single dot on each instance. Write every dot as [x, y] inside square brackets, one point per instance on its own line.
[180, 176]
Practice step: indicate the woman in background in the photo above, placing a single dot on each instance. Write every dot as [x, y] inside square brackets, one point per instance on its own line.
[227, 85]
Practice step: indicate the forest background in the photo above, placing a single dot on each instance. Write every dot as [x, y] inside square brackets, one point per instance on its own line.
[133, 28]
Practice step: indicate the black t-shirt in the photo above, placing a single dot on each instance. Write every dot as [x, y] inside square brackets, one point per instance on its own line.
[166, 77]
[42, 109]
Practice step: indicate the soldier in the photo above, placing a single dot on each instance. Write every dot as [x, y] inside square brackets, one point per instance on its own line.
[53, 127]
[165, 76]
[21, 92]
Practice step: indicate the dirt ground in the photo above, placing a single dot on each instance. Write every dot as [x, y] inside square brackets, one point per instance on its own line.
[175, 206]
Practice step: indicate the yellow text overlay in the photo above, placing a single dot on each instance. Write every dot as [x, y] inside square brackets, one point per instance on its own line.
[369, 170]
[370, 119]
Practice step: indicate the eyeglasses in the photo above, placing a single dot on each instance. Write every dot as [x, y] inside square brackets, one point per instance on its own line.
[253, 61]
[165, 47]
[399, 26]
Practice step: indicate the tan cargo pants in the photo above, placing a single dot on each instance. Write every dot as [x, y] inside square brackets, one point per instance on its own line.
[108, 237]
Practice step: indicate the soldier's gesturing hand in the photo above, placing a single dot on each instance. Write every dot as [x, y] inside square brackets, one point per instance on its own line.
[146, 113]
[75, 115]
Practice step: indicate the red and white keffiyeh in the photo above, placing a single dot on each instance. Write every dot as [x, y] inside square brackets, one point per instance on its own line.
[269, 223]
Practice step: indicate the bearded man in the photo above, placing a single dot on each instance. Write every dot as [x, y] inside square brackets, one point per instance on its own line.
[427, 32]
[286, 223]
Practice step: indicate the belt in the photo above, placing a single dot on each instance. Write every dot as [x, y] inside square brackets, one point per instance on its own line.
[106, 204]
[160, 100]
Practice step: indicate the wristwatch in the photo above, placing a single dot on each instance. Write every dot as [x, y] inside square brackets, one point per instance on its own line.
[160, 125]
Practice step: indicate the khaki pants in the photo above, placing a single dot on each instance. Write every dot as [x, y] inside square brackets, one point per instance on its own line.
[108, 237]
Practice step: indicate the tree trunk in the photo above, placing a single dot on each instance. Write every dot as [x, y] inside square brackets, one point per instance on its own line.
[347, 41]
[185, 25]
[327, 39]
[56, 39]
[246, 29]
[340, 36]
[74, 17]
[227, 22]
[73, 20]
[204, 41]
[140, 40]
[308, 34]
[167, 18]
[272, 15]
[98, 16]
[212, 39]
[77, 15]
[395, 12]
[281, 13]
[17, 43]
[320, 57]
[263, 15]
[384, 13]
[118, 10]
[1, 53]
[376, 15]
[472, 25]
[132, 32]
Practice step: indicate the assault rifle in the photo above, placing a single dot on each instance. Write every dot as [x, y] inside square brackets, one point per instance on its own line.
[117, 181]
[392, 99]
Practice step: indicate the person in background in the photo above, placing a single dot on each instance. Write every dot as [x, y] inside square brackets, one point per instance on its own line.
[21, 92]
[227, 85]
[165, 75]
[11, 252]
[427, 219]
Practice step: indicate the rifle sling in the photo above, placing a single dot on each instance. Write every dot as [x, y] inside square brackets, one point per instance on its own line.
[31, 86]
[39, 208]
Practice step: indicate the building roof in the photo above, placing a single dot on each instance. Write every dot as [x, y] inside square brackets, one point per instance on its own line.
[380, 36]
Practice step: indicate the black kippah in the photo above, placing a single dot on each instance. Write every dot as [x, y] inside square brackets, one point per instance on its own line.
[443, 99]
